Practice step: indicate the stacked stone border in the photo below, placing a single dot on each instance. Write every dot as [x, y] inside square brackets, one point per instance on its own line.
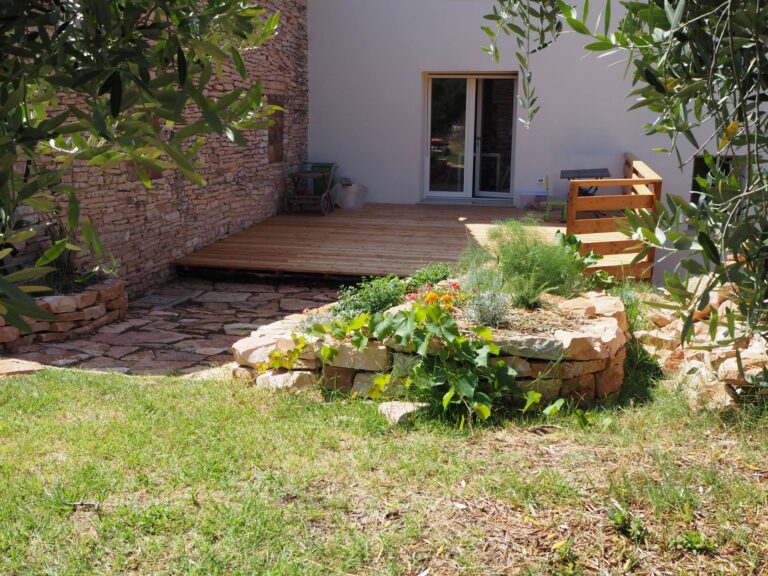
[75, 315]
[584, 365]
[716, 365]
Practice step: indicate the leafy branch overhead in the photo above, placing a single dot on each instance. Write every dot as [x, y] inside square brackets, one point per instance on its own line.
[110, 81]
[702, 69]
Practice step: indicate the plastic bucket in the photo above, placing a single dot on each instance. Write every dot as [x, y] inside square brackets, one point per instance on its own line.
[351, 197]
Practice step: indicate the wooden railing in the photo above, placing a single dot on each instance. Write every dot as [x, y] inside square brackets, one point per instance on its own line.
[597, 219]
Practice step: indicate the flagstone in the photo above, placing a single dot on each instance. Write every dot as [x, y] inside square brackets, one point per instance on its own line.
[124, 326]
[262, 297]
[17, 367]
[106, 364]
[157, 367]
[241, 329]
[222, 297]
[208, 346]
[296, 304]
[163, 312]
[290, 289]
[140, 337]
[53, 356]
[253, 287]
[120, 351]
[178, 291]
[85, 346]
[195, 284]
[184, 326]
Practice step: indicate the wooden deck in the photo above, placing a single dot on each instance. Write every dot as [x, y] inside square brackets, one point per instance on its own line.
[381, 239]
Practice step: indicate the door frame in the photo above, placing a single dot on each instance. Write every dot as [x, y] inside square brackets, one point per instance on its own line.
[471, 180]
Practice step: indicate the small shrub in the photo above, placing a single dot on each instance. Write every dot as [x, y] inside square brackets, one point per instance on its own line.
[527, 291]
[487, 308]
[481, 276]
[430, 274]
[627, 523]
[697, 543]
[371, 295]
[311, 320]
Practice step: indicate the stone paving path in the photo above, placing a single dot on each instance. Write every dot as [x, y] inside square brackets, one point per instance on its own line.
[183, 327]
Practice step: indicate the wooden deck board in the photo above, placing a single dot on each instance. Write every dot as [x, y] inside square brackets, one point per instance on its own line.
[381, 239]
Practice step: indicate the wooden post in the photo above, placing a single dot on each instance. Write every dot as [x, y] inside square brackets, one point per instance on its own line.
[629, 170]
[573, 193]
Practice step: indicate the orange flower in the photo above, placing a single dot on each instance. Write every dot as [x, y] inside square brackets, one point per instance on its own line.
[448, 307]
[446, 298]
[430, 298]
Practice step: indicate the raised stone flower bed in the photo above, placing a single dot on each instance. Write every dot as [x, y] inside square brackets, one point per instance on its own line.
[584, 363]
[75, 315]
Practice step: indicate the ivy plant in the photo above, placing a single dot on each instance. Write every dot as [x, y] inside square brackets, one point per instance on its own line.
[462, 375]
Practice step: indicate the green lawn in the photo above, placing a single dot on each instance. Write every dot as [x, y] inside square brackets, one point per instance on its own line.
[214, 477]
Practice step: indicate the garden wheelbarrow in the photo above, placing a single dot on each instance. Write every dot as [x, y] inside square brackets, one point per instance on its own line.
[310, 187]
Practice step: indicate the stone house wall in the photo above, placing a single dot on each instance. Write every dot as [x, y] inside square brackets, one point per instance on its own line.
[146, 229]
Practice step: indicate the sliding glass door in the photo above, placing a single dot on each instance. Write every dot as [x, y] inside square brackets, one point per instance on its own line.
[469, 148]
[449, 146]
[495, 119]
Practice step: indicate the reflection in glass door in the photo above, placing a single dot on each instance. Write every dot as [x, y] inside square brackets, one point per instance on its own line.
[471, 123]
[495, 118]
[448, 135]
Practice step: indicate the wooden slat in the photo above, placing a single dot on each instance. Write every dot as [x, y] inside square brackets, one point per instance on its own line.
[644, 171]
[640, 271]
[614, 202]
[593, 225]
[610, 182]
[609, 247]
[642, 190]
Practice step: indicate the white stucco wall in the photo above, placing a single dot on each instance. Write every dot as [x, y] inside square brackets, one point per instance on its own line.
[367, 97]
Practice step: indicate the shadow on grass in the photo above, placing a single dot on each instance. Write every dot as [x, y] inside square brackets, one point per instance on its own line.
[642, 374]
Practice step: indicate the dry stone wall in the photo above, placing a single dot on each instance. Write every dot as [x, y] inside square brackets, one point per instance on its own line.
[733, 366]
[73, 316]
[146, 229]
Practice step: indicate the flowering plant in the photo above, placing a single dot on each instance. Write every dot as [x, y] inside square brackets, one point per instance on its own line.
[447, 295]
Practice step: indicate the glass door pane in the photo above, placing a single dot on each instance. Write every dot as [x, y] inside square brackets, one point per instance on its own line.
[493, 143]
[448, 135]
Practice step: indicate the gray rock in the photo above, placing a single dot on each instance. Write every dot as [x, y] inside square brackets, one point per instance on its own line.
[293, 380]
[525, 346]
[394, 412]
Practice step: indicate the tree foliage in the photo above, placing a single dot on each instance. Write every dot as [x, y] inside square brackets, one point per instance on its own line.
[105, 82]
[702, 68]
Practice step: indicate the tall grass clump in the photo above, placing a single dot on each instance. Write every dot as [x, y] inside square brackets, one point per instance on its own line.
[632, 293]
[642, 372]
[520, 264]
[520, 252]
